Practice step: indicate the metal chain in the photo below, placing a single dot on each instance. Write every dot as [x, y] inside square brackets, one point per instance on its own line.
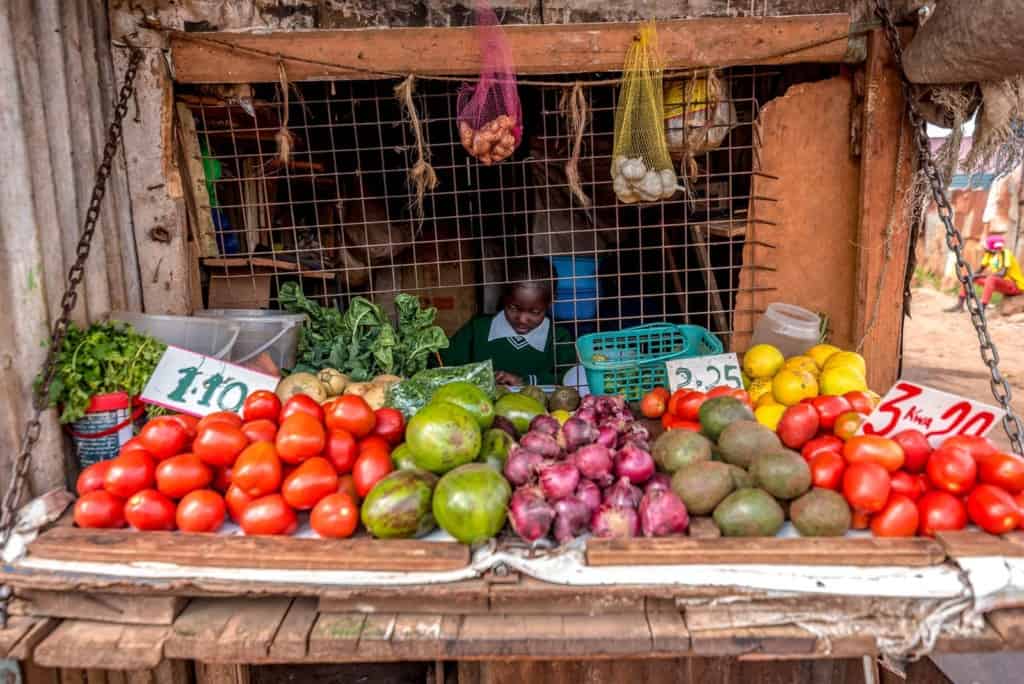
[41, 396]
[989, 355]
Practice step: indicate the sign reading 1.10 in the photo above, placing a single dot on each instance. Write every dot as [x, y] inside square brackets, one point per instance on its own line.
[199, 385]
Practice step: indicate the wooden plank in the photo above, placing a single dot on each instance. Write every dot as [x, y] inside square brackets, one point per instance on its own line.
[704, 528]
[146, 610]
[218, 673]
[26, 645]
[13, 633]
[194, 178]
[293, 636]
[143, 644]
[196, 632]
[468, 597]
[84, 644]
[211, 550]
[375, 639]
[878, 306]
[532, 597]
[1009, 623]
[552, 635]
[982, 641]
[668, 630]
[424, 637]
[248, 634]
[335, 635]
[867, 551]
[770, 640]
[550, 49]
[971, 543]
[262, 264]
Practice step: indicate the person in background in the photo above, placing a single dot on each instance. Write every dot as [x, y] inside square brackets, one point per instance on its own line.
[520, 340]
[999, 272]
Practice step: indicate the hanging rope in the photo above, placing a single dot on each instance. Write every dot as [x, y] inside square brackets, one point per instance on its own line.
[421, 174]
[283, 138]
[574, 108]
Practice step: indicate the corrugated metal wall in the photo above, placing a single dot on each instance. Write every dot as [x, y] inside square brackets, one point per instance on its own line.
[56, 98]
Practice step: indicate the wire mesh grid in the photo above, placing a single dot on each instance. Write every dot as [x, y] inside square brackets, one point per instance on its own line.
[336, 217]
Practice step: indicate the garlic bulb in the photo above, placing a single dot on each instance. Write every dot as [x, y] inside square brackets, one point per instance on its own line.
[617, 163]
[650, 185]
[669, 183]
[634, 169]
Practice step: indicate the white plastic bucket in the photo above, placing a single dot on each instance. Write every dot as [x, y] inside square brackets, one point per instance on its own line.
[206, 336]
[261, 330]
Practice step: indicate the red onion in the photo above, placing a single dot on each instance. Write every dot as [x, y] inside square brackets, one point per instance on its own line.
[588, 402]
[594, 462]
[521, 465]
[587, 415]
[616, 423]
[549, 425]
[662, 514]
[531, 516]
[578, 433]
[634, 463]
[658, 481]
[558, 480]
[608, 406]
[623, 494]
[614, 521]
[543, 444]
[588, 493]
[607, 437]
[571, 518]
[637, 432]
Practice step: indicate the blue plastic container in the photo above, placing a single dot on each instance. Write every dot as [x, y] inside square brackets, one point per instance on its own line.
[575, 288]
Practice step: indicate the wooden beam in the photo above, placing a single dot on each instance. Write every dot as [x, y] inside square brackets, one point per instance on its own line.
[884, 179]
[197, 199]
[548, 49]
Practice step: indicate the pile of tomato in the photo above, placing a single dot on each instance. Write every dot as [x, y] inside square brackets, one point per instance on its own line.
[680, 410]
[258, 468]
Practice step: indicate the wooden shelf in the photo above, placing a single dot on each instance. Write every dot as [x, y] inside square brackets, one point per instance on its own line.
[263, 265]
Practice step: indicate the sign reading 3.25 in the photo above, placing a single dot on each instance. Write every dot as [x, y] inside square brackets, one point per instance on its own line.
[199, 385]
[703, 373]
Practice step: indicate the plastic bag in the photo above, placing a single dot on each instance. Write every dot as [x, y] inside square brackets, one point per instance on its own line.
[698, 114]
[413, 394]
[489, 115]
[641, 166]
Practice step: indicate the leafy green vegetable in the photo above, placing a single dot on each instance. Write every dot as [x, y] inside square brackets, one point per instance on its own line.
[413, 394]
[103, 358]
[362, 342]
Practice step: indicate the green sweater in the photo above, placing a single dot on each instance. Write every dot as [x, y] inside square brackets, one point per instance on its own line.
[470, 345]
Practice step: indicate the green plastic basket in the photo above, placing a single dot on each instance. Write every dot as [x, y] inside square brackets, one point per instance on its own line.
[634, 359]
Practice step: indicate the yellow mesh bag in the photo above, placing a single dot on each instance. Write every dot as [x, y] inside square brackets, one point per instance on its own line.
[641, 166]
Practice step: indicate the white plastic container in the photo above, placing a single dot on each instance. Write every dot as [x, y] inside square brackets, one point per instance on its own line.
[792, 329]
[207, 336]
[261, 330]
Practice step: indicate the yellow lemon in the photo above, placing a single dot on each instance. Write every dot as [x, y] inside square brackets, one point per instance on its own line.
[790, 387]
[769, 416]
[801, 363]
[762, 361]
[840, 380]
[821, 353]
[767, 399]
[847, 360]
[561, 416]
[759, 388]
[746, 380]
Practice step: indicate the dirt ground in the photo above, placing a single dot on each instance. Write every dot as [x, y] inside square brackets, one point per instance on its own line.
[941, 350]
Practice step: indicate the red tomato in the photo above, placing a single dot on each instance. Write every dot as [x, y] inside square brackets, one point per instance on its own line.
[798, 425]
[827, 469]
[221, 479]
[352, 413]
[720, 391]
[391, 425]
[952, 470]
[163, 437]
[866, 486]
[992, 509]
[257, 472]
[899, 518]
[310, 482]
[820, 445]
[672, 422]
[260, 430]
[975, 447]
[201, 511]
[341, 450]
[300, 437]
[673, 401]
[336, 516]
[1002, 470]
[268, 515]
[910, 486]
[830, 408]
[1019, 500]
[181, 474]
[689, 406]
[368, 469]
[874, 449]
[916, 449]
[222, 417]
[129, 474]
[190, 423]
[940, 512]
[301, 403]
[133, 444]
[236, 501]
[149, 510]
[347, 485]
[743, 395]
[261, 405]
[651, 406]
[374, 443]
[99, 509]
[860, 402]
[91, 479]
[860, 520]
[847, 424]
[662, 392]
[219, 444]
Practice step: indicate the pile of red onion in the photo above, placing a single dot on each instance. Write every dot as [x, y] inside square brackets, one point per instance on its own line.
[587, 475]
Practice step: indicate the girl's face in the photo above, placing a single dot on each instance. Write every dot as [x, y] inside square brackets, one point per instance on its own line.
[525, 308]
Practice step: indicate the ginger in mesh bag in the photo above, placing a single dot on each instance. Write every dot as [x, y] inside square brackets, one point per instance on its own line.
[641, 166]
[489, 114]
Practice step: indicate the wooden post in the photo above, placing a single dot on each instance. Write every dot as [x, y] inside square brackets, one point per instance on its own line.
[883, 235]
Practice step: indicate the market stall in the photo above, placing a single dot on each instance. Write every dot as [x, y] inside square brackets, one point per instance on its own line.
[343, 457]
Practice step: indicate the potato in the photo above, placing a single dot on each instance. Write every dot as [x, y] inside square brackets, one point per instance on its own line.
[385, 379]
[358, 388]
[301, 383]
[376, 396]
[333, 381]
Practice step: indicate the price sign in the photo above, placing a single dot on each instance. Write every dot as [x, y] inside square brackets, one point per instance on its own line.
[704, 372]
[199, 385]
[939, 415]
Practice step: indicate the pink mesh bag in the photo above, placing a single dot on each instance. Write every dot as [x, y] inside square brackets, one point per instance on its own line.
[490, 118]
